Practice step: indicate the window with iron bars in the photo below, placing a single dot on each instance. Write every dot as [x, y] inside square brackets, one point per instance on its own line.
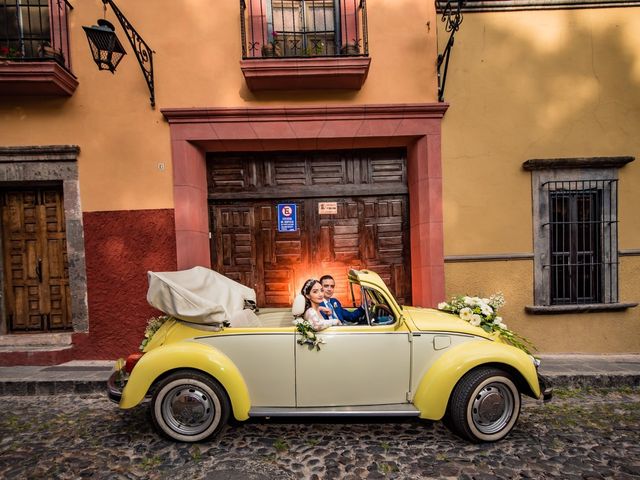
[34, 30]
[582, 231]
[303, 28]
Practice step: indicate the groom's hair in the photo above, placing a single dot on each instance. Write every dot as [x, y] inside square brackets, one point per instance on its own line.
[326, 277]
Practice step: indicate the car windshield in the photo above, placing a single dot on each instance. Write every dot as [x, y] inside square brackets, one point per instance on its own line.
[375, 305]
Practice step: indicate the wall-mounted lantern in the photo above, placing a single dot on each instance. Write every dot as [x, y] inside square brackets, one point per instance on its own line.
[107, 50]
[105, 47]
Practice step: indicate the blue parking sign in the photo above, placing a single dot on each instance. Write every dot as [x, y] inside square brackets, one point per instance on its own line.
[287, 217]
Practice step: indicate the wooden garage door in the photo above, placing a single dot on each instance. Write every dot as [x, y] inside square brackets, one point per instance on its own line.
[368, 230]
[36, 275]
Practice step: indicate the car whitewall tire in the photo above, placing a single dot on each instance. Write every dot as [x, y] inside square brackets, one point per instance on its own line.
[189, 406]
[484, 406]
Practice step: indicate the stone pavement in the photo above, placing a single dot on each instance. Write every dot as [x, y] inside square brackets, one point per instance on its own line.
[567, 371]
[583, 434]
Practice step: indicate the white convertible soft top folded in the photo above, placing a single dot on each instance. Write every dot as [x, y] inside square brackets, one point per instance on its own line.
[197, 295]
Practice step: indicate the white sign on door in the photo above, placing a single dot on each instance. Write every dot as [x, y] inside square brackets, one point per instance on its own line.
[327, 208]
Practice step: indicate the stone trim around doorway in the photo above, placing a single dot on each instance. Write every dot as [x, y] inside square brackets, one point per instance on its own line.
[32, 165]
[416, 127]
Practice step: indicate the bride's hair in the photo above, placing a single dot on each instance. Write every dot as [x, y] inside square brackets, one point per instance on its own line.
[306, 289]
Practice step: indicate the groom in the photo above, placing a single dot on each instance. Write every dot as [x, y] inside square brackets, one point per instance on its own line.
[337, 311]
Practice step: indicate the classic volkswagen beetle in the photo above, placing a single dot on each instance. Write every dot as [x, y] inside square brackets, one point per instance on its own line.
[207, 363]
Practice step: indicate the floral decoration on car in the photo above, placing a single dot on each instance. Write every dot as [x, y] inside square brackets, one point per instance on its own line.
[483, 313]
[153, 325]
[308, 334]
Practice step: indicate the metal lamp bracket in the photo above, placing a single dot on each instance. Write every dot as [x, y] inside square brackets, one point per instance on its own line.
[143, 52]
[452, 18]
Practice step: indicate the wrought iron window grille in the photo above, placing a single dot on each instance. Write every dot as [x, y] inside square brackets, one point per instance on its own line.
[303, 28]
[35, 30]
[582, 228]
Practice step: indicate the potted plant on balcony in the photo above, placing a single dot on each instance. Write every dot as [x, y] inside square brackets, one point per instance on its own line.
[9, 53]
[316, 48]
[351, 48]
[272, 48]
[46, 51]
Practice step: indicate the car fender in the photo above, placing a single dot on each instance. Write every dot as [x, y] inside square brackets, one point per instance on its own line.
[192, 355]
[435, 387]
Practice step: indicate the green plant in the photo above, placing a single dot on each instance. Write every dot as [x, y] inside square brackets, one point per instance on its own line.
[386, 468]
[196, 454]
[280, 445]
[316, 49]
[10, 52]
[151, 462]
[483, 313]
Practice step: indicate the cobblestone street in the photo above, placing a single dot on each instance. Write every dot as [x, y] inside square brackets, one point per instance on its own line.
[593, 434]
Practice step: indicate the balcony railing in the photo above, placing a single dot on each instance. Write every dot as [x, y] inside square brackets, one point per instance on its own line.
[303, 28]
[35, 30]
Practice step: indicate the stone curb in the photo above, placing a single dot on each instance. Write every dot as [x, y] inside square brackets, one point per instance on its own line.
[75, 387]
[59, 387]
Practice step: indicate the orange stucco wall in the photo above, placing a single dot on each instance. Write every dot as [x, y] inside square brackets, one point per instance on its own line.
[125, 158]
[539, 84]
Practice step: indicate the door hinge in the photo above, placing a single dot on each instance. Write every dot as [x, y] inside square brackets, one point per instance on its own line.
[409, 396]
[209, 235]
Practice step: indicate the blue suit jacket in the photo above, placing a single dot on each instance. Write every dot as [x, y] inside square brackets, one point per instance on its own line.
[343, 314]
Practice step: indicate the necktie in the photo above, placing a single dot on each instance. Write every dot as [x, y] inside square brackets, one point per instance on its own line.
[333, 312]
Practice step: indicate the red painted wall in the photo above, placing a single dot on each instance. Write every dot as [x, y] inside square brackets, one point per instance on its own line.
[120, 247]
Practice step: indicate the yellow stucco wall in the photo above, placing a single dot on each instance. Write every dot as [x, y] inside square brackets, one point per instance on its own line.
[615, 332]
[522, 85]
[198, 49]
[539, 84]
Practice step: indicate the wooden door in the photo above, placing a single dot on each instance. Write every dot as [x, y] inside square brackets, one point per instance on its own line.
[366, 232]
[369, 229]
[36, 277]
[233, 247]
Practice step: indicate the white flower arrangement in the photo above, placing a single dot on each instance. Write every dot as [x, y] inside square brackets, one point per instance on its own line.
[483, 313]
[308, 334]
[153, 325]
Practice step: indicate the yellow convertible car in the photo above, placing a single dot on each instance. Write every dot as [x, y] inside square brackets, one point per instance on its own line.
[215, 358]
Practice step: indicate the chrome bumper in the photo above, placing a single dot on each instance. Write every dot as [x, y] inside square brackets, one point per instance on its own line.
[117, 381]
[114, 390]
[546, 390]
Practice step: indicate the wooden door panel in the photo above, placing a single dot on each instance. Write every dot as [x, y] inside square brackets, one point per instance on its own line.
[59, 300]
[365, 233]
[282, 271]
[36, 280]
[233, 249]
[369, 230]
[277, 286]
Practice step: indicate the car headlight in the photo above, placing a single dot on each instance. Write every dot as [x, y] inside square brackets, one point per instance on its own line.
[536, 361]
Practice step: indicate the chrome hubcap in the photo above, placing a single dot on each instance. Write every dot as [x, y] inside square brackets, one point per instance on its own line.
[492, 408]
[188, 409]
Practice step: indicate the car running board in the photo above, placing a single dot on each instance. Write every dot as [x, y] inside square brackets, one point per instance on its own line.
[394, 410]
